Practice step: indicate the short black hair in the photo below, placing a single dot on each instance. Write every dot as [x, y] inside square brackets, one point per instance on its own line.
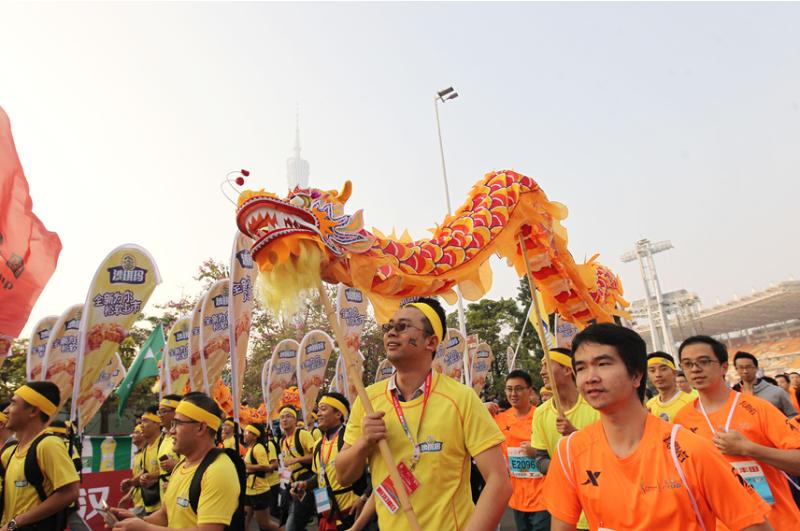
[151, 409]
[203, 401]
[173, 396]
[58, 424]
[437, 307]
[630, 346]
[519, 373]
[681, 374]
[4, 405]
[782, 375]
[720, 350]
[50, 391]
[794, 372]
[771, 380]
[741, 355]
[340, 397]
[562, 350]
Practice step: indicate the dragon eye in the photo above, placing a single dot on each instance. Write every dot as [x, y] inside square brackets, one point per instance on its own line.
[297, 201]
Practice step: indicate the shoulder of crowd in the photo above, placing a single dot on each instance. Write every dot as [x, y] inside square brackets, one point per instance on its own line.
[377, 389]
[581, 440]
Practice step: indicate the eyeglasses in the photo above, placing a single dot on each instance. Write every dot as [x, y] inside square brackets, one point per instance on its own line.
[176, 422]
[518, 389]
[702, 363]
[398, 327]
[165, 411]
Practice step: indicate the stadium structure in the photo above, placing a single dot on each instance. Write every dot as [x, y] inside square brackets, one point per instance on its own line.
[765, 323]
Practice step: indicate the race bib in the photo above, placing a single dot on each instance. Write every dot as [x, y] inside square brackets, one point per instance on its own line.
[521, 465]
[754, 475]
[388, 495]
[322, 500]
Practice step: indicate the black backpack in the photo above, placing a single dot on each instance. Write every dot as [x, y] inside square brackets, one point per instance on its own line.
[35, 477]
[237, 521]
[359, 486]
[300, 453]
[151, 495]
[254, 461]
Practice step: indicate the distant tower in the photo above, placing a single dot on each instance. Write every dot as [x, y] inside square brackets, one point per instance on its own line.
[297, 168]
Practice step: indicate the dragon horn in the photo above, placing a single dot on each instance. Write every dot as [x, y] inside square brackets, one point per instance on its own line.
[347, 190]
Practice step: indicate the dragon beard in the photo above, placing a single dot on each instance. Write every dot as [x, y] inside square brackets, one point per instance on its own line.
[282, 286]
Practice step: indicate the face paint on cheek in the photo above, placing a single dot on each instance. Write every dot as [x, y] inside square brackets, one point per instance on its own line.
[412, 342]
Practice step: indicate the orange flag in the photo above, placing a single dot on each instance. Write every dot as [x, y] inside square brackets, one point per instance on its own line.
[28, 251]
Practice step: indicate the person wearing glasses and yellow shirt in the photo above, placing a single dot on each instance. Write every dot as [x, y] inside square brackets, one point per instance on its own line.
[434, 426]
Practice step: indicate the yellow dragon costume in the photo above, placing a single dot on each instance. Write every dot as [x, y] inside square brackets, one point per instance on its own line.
[308, 236]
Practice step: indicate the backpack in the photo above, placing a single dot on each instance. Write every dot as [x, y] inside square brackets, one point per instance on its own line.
[253, 460]
[359, 486]
[35, 477]
[237, 520]
[300, 453]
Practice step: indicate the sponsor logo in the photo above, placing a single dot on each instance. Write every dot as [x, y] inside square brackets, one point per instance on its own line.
[245, 259]
[353, 295]
[592, 478]
[44, 334]
[183, 502]
[127, 272]
[181, 335]
[220, 301]
[72, 324]
[430, 445]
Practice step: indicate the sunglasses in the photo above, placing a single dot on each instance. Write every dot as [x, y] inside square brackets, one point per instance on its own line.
[398, 327]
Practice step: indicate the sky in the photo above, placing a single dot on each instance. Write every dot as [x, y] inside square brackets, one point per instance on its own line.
[676, 121]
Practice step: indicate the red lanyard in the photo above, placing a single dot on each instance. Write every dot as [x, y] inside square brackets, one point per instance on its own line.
[330, 448]
[415, 453]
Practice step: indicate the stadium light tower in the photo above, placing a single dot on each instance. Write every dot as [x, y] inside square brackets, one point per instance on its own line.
[643, 252]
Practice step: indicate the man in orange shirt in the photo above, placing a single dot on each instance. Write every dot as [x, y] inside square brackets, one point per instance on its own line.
[526, 480]
[632, 470]
[752, 434]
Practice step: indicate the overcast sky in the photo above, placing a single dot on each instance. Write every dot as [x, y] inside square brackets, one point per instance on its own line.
[667, 121]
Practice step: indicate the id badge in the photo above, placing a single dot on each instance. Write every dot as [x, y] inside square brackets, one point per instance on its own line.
[754, 475]
[388, 495]
[521, 465]
[322, 500]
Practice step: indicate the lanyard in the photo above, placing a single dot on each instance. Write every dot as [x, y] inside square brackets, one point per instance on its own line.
[324, 462]
[730, 414]
[415, 453]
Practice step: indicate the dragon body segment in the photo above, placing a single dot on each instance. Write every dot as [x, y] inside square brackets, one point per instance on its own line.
[500, 207]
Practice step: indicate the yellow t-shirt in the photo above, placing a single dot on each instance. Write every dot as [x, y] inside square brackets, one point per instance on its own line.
[316, 433]
[328, 450]
[255, 484]
[274, 477]
[57, 467]
[136, 497]
[288, 450]
[165, 449]
[219, 495]
[150, 465]
[545, 436]
[230, 442]
[666, 411]
[456, 426]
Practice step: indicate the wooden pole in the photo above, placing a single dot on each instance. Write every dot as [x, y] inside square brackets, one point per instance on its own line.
[354, 375]
[538, 326]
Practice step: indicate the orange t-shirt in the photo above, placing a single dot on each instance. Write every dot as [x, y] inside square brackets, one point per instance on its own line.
[527, 491]
[644, 490]
[764, 424]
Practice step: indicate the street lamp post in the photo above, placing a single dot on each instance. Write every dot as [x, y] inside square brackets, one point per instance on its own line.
[442, 96]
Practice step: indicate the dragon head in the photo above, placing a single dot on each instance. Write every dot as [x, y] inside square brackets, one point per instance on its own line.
[277, 226]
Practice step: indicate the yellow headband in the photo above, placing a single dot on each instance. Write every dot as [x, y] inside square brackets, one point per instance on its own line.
[62, 431]
[288, 410]
[169, 403]
[35, 398]
[658, 360]
[561, 359]
[3, 417]
[199, 414]
[432, 316]
[229, 423]
[335, 403]
[252, 429]
[152, 417]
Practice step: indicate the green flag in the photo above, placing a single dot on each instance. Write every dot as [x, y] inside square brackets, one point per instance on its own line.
[144, 365]
[103, 454]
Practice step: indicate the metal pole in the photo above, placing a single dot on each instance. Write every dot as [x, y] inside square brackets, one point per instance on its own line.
[462, 320]
[654, 339]
[665, 326]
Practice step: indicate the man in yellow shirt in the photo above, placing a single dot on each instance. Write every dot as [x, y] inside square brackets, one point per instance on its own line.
[27, 501]
[548, 425]
[148, 480]
[167, 457]
[337, 505]
[297, 448]
[683, 384]
[134, 493]
[661, 371]
[260, 460]
[434, 426]
[217, 504]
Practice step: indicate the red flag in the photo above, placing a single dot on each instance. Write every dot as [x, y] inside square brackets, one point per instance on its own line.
[28, 251]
